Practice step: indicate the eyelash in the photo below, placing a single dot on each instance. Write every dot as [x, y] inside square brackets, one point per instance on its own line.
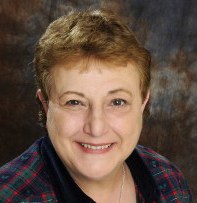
[122, 102]
[115, 102]
[70, 103]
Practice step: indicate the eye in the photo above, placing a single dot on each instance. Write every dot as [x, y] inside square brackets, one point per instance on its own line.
[73, 103]
[119, 102]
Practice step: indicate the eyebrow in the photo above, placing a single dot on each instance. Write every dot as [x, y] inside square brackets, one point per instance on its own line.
[72, 92]
[120, 90]
[110, 92]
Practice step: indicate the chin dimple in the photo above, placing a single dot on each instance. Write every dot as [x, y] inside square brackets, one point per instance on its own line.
[96, 147]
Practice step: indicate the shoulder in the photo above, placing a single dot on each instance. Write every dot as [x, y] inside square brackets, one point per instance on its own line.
[24, 178]
[169, 179]
[154, 159]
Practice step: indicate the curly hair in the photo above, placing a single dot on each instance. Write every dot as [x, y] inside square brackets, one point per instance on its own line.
[79, 35]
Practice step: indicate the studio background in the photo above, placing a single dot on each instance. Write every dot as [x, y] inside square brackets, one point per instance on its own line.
[167, 28]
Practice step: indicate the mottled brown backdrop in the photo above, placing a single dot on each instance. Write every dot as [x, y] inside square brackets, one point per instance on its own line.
[167, 28]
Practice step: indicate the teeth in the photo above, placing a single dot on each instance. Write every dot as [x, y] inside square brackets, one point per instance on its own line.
[96, 147]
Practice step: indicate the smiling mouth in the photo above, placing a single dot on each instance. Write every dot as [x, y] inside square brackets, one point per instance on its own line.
[93, 147]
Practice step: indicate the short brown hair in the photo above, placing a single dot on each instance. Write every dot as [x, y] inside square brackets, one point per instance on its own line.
[97, 33]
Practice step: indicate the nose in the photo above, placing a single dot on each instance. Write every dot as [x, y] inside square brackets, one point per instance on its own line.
[96, 123]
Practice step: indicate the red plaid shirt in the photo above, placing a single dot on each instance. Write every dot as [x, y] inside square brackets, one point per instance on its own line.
[39, 176]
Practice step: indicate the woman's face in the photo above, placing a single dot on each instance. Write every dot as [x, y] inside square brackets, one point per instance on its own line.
[94, 117]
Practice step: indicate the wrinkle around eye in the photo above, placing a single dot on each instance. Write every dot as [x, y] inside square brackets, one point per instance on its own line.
[123, 107]
[73, 104]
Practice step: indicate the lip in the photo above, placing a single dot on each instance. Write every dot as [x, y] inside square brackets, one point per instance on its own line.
[97, 151]
[93, 144]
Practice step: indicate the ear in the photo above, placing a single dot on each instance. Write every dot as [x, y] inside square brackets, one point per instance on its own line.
[42, 100]
[146, 100]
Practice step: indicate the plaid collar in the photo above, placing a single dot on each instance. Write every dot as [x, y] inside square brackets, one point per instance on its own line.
[67, 190]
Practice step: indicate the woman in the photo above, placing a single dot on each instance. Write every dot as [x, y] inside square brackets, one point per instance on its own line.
[93, 80]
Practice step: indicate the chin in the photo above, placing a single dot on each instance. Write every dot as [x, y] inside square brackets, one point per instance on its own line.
[96, 175]
[95, 171]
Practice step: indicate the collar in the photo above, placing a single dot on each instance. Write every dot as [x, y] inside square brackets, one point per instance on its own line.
[68, 191]
[143, 178]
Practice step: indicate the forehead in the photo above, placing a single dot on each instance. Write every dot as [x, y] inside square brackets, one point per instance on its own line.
[96, 75]
[84, 65]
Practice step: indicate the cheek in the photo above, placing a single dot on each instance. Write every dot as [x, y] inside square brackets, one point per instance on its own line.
[63, 124]
[127, 126]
